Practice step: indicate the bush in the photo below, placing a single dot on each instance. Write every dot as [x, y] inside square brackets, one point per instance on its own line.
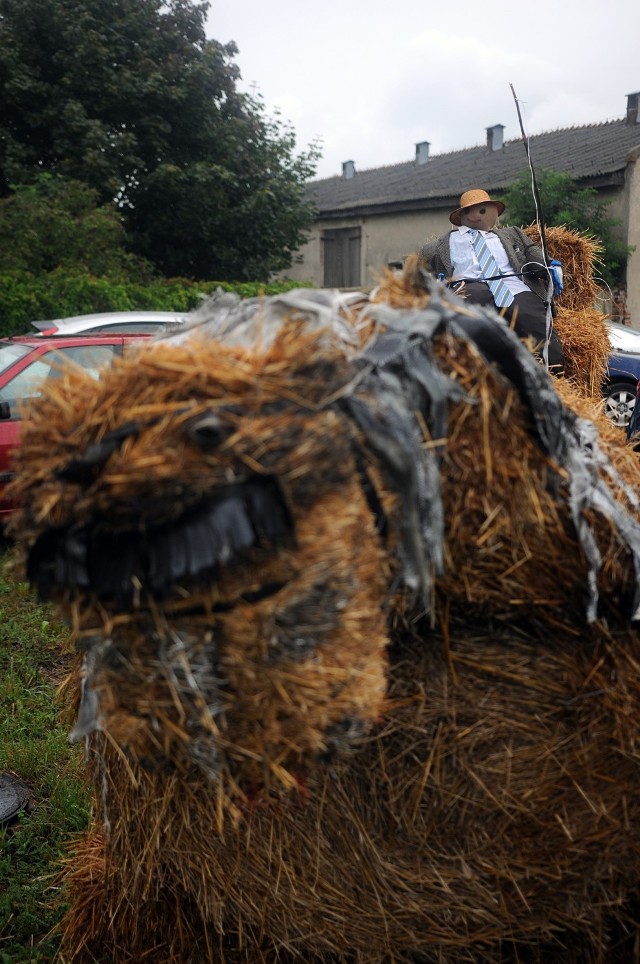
[25, 298]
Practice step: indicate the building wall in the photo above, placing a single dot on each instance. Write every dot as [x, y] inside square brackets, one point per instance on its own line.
[632, 220]
[394, 237]
[307, 265]
[624, 206]
[385, 238]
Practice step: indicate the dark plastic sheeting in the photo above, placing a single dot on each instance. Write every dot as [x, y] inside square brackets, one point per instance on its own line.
[14, 796]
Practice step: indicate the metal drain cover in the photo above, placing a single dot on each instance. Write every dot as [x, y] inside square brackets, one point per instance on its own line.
[14, 796]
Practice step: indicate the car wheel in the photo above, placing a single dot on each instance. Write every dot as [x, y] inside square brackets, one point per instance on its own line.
[619, 402]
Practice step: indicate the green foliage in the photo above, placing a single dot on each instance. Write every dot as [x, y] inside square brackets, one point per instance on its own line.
[564, 203]
[241, 221]
[98, 89]
[34, 746]
[25, 298]
[56, 223]
[131, 98]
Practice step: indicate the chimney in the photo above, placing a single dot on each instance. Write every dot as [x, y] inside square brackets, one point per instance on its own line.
[348, 169]
[633, 102]
[494, 137]
[422, 152]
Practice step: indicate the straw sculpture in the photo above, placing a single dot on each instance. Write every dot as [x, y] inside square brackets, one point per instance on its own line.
[353, 584]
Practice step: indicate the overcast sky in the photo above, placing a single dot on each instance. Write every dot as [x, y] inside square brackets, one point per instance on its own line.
[370, 79]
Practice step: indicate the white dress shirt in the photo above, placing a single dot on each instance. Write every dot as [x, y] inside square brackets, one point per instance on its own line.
[465, 262]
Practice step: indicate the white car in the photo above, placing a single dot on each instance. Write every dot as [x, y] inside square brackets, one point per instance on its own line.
[623, 338]
[112, 323]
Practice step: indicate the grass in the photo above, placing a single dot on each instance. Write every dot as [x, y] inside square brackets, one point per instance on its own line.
[34, 746]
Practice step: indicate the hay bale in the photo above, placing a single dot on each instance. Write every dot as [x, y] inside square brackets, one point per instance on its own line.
[353, 587]
[491, 815]
[580, 326]
[579, 253]
[586, 346]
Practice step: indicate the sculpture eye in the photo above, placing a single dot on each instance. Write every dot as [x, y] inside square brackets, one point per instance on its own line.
[208, 431]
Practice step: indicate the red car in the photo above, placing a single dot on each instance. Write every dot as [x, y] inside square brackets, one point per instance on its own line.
[28, 361]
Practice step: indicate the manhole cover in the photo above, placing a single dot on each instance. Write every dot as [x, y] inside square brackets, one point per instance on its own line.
[14, 795]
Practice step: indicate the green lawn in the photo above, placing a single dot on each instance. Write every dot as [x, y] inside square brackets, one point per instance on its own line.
[34, 746]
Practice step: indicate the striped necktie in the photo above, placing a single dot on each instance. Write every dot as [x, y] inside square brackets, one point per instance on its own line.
[501, 294]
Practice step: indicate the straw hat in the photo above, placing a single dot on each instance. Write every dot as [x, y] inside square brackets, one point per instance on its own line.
[473, 197]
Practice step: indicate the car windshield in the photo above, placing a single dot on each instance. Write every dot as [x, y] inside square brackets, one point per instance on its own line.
[10, 353]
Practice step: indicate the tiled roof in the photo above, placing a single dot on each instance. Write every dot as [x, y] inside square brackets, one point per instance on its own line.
[592, 152]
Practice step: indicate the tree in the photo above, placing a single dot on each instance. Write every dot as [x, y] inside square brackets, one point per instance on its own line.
[56, 223]
[239, 220]
[564, 203]
[131, 98]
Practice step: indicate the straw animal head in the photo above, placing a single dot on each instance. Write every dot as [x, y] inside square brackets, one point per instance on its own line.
[209, 532]
[228, 513]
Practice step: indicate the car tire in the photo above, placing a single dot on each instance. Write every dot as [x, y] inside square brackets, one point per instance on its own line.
[619, 402]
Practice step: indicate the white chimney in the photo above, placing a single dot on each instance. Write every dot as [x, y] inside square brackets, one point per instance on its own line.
[348, 169]
[422, 152]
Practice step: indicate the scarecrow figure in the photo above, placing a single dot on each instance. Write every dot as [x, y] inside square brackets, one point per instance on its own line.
[501, 267]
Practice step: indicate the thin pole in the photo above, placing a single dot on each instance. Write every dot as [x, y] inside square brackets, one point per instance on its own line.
[534, 183]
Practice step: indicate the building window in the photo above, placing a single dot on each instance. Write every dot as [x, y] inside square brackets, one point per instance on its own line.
[341, 252]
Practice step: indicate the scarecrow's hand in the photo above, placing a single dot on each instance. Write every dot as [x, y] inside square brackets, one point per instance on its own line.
[555, 267]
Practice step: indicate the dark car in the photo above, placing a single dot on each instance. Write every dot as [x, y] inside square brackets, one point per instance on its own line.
[634, 422]
[623, 373]
[29, 361]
